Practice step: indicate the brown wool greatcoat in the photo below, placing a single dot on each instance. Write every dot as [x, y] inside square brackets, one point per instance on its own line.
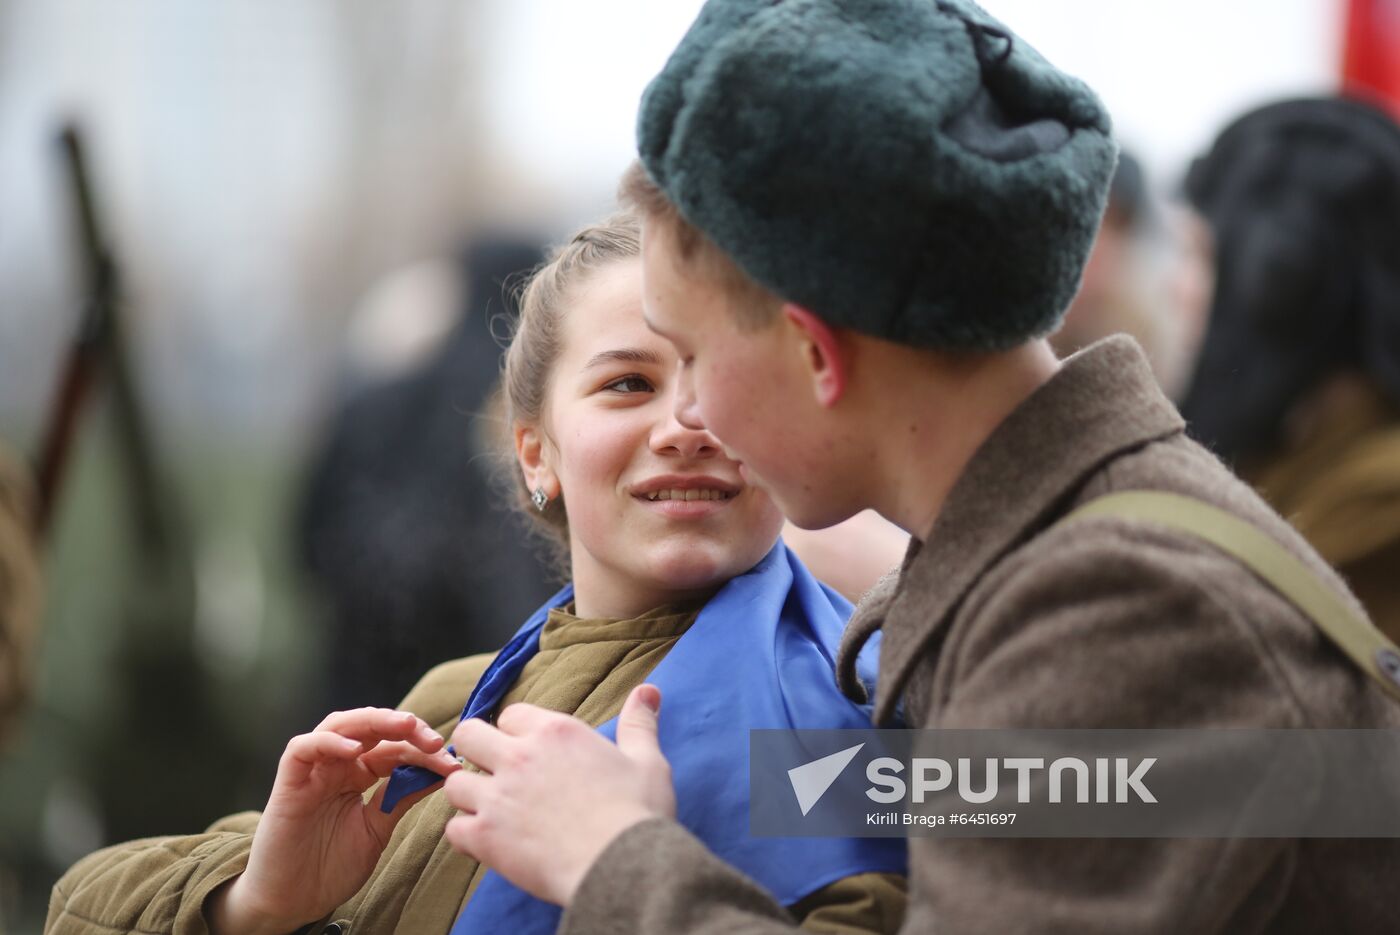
[998, 620]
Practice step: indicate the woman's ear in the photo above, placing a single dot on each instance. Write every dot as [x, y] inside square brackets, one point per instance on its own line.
[531, 455]
[823, 353]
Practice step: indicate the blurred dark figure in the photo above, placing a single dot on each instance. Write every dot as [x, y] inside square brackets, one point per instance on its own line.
[1147, 276]
[1298, 380]
[20, 589]
[403, 526]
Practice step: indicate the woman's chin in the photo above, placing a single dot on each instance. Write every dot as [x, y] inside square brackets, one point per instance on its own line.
[689, 576]
[696, 568]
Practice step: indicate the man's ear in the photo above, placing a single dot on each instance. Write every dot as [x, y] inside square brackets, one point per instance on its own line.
[822, 351]
[530, 455]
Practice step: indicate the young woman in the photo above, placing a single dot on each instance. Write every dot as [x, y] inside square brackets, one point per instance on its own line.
[678, 578]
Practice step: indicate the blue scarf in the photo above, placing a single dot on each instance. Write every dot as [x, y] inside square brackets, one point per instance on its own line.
[759, 655]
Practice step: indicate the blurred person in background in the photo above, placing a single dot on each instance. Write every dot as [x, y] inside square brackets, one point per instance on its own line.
[1147, 276]
[20, 589]
[678, 578]
[400, 528]
[1299, 376]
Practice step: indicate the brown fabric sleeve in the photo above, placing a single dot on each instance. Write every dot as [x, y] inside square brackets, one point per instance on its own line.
[857, 905]
[160, 885]
[237, 823]
[155, 885]
[658, 878]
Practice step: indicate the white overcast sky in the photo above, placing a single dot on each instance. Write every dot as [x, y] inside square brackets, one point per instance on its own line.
[222, 143]
[1172, 73]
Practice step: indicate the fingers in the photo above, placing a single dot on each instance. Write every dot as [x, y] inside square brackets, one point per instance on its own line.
[375, 724]
[346, 735]
[306, 750]
[466, 833]
[519, 719]
[492, 747]
[383, 758]
[465, 790]
[637, 723]
[480, 743]
[557, 792]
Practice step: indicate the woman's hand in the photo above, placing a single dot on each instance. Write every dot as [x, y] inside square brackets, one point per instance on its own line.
[555, 793]
[318, 840]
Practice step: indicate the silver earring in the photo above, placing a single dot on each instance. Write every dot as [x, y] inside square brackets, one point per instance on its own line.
[539, 499]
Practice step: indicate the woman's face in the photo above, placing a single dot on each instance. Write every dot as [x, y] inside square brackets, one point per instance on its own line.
[657, 513]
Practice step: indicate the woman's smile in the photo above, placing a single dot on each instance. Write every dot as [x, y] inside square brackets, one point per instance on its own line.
[609, 429]
[685, 497]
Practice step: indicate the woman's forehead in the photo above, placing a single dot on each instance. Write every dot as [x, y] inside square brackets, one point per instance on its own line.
[605, 315]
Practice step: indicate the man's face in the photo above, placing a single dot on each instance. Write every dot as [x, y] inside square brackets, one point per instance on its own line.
[749, 387]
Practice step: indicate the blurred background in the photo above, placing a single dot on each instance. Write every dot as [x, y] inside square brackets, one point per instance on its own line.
[268, 490]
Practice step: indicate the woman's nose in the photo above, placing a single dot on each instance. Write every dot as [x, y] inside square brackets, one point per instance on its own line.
[672, 436]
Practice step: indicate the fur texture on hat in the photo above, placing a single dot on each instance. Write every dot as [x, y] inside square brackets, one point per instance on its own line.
[906, 168]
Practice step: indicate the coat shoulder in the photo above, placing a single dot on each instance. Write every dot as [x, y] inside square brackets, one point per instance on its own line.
[1132, 612]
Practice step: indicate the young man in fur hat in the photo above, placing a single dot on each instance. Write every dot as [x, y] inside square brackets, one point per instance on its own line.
[861, 220]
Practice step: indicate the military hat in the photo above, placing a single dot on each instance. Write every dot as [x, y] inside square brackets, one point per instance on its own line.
[906, 168]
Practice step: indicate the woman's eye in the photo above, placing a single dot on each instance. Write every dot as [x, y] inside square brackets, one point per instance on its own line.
[630, 384]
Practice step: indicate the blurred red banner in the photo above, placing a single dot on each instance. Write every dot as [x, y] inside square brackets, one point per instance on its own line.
[1371, 56]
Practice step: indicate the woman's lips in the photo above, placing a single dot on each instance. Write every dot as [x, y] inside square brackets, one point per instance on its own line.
[686, 509]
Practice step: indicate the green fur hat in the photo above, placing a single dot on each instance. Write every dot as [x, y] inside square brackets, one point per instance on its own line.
[906, 168]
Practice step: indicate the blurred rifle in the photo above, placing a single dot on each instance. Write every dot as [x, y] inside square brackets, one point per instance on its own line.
[98, 349]
[160, 692]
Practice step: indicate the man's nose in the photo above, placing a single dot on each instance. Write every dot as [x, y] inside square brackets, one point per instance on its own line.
[687, 410]
[674, 437]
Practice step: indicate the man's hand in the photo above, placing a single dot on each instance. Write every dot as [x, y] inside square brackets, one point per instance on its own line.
[554, 793]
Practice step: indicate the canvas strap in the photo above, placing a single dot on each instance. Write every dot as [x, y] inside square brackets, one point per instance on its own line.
[1355, 635]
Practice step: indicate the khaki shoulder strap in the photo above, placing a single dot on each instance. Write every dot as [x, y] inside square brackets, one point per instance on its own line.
[1355, 635]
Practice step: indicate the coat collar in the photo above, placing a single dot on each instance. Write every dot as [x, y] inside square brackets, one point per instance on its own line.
[1103, 401]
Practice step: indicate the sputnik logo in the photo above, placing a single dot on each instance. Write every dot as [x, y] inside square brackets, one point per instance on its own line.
[811, 780]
